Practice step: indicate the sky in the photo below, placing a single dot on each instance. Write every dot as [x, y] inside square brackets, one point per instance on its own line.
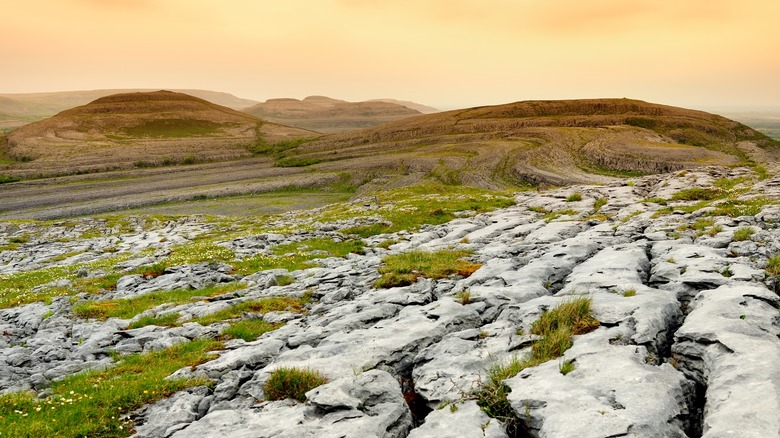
[444, 53]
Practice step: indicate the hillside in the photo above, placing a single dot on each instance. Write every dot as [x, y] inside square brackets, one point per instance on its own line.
[21, 108]
[554, 142]
[323, 114]
[138, 129]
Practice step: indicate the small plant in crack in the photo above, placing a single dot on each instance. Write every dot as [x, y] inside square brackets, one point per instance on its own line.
[574, 197]
[629, 293]
[463, 297]
[726, 272]
[670, 260]
[294, 383]
[566, 366]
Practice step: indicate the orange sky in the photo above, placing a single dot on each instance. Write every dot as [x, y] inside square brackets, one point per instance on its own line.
[445, 53]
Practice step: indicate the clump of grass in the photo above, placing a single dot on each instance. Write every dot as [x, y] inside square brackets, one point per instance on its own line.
[296, 162]
[773, 265]
[284, 280]
[598, 203]
[168, 320]
[701, 224]
[736, 208]
[742, 233]
[8, 179]
[698, 194]
[405, 269]
[659, 201]
[552, 215]
[294, 383]
[262, 306]
[555, 327]
[95, 403]
[463, 297]
[726, 272]
[249, 329]
[566, 366]
[629, 293]
[574, 197]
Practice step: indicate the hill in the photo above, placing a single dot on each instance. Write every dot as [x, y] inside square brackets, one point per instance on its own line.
[555, 142]
[22, 108]
[323, 114]
[137, 129]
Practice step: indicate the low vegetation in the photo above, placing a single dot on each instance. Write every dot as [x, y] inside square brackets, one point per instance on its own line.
[555, 328]
[404, 269]
[97, 403]
[742, 233]
[698, 194]
[294, 383]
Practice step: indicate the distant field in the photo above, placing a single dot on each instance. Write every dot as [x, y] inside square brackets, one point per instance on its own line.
[765, 121]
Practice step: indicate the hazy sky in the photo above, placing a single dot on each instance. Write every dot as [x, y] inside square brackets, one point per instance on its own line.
[445, 53]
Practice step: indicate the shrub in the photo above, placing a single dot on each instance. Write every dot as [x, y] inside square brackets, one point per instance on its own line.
[294, 383]
[742, 233]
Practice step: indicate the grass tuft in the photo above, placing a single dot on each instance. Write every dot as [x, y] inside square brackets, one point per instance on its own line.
[742, 233]
[293, 383]
[574, 197]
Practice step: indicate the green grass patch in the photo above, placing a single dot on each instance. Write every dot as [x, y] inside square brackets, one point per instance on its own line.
[773, 265]
[130, 307]
[284, 280]
[262, 306]
[296, 162]
[566, 366]
[555, 327]
[730, 183]
[742, 233]
[169, 320]
[698, 194]
[737, 208]
[173, 128]
[249, 329]
[8, 179]
[553, 215]
[409, 208]
[404, 269]
[262, 148]
[321, 247]
[294, 383]
[95, 403]
[659, 201]
[701, 224]
[598, 203]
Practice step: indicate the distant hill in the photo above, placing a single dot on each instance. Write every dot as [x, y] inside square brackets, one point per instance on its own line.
[415, 106]
[20, 109]
[136, 129]
[554, 142]
[324, 114]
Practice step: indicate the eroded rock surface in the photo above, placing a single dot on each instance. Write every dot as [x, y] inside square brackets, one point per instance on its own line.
[688, 343]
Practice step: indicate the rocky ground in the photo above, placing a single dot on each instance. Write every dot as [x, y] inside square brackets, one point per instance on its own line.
[684, 290]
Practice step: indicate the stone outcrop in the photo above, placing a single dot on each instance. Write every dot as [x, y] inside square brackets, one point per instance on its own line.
[687, 346]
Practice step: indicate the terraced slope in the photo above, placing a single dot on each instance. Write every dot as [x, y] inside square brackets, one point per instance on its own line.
[547, 141]
[679, 270]
[136, 129]
[323, 114]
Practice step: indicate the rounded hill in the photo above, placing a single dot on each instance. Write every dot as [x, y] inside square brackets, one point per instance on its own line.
[128, 129]
[555, 142]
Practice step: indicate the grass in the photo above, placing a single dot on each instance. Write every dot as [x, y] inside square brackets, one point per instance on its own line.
[730, 183]
[322, 247]
[598, 203]
[95, 403]
[249, 329]
[698, 194]
[405, 269]
[409, 208]
[297, 255]
[463, 297]
[296, 162]
[284, 280]
[8, 179]
[566, 366]
[294, 383]
[555, 328]
[262, 305]
[173, 128]
[773, 265]
[552, 215]
[742, 233]
[574, 197]
[169, 320]
[629, 293]
[701, 224]
[737, 208]
[130, 307]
